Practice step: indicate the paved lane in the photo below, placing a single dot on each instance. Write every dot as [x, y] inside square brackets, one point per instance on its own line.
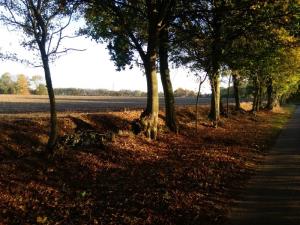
[273, 196]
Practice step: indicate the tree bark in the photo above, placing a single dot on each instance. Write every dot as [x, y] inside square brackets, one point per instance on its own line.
[201, 81]
[197, 101]
[269, 95]
[227, 98]
[255, 101]
[272, 99]
[147, 110]
[255, 105]
[260, 97]
[236, 84]
[166, 82]
[214, 68]
[215, 98]
[53, 116]
[149, 118]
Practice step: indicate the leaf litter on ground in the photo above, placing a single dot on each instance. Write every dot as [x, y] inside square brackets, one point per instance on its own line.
[185, 179]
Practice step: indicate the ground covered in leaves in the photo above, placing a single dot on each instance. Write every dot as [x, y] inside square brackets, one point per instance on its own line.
[104, 174]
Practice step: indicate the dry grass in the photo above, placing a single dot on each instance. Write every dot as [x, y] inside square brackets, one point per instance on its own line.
[189, 178]
[246, 106]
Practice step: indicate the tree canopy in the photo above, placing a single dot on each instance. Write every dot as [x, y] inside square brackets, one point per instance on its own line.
[257, 42]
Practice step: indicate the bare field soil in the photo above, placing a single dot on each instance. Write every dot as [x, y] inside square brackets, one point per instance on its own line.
[180, 179]
[34, 103]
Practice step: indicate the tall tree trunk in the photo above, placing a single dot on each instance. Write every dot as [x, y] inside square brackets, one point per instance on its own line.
[255, 105]
[260, 97]
[215, 98]
[216, 53]
[222, 108]
[166, 82]
[149, 119]
[201, 81]
[227, 98]
[272, 99]
[147, 110]
[236, 84]
[255, 100]
[269, 95]
[53, 117]
[197, 101]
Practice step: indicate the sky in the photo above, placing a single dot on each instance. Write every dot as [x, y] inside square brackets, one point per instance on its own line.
[90, 69]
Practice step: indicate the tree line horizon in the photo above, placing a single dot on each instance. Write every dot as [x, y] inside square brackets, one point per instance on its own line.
[23, 85]
[250, 41]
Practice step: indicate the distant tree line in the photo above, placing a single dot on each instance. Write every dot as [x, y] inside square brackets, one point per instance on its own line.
[180, 92]
[98, 92]
[22, 85]
[245, 90]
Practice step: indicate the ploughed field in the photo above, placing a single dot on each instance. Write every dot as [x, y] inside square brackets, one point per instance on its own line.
[34, 103]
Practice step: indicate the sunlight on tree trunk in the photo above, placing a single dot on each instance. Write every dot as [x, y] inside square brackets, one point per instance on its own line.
[166, 83]
[53, 117]
[201, 81]
[149, 119]
[236, 84]
[215, 99]
[227, 97]
[43, 24]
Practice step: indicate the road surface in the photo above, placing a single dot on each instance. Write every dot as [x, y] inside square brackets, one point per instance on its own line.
[273, 195]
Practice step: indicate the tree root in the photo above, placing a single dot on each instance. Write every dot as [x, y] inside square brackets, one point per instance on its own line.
[149, 125]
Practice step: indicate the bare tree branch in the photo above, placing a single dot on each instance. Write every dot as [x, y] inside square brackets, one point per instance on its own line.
[66, 51]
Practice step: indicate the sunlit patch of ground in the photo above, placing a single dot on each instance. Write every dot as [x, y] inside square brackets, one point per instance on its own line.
[188, 178]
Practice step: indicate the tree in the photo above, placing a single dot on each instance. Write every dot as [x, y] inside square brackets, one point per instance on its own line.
[201, 40]
[166, 80]
[256, 56]
[43, 22]
[286, 66]
[236, 86]
[36, 80]
[41, 89]
[7, 85]
[201, 81]
[259, 56]
[180, 92]
[128, 27]
[22, 85]
[208, 30]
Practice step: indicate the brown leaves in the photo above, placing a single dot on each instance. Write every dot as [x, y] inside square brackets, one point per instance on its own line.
[41, 219]
[179, 179]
